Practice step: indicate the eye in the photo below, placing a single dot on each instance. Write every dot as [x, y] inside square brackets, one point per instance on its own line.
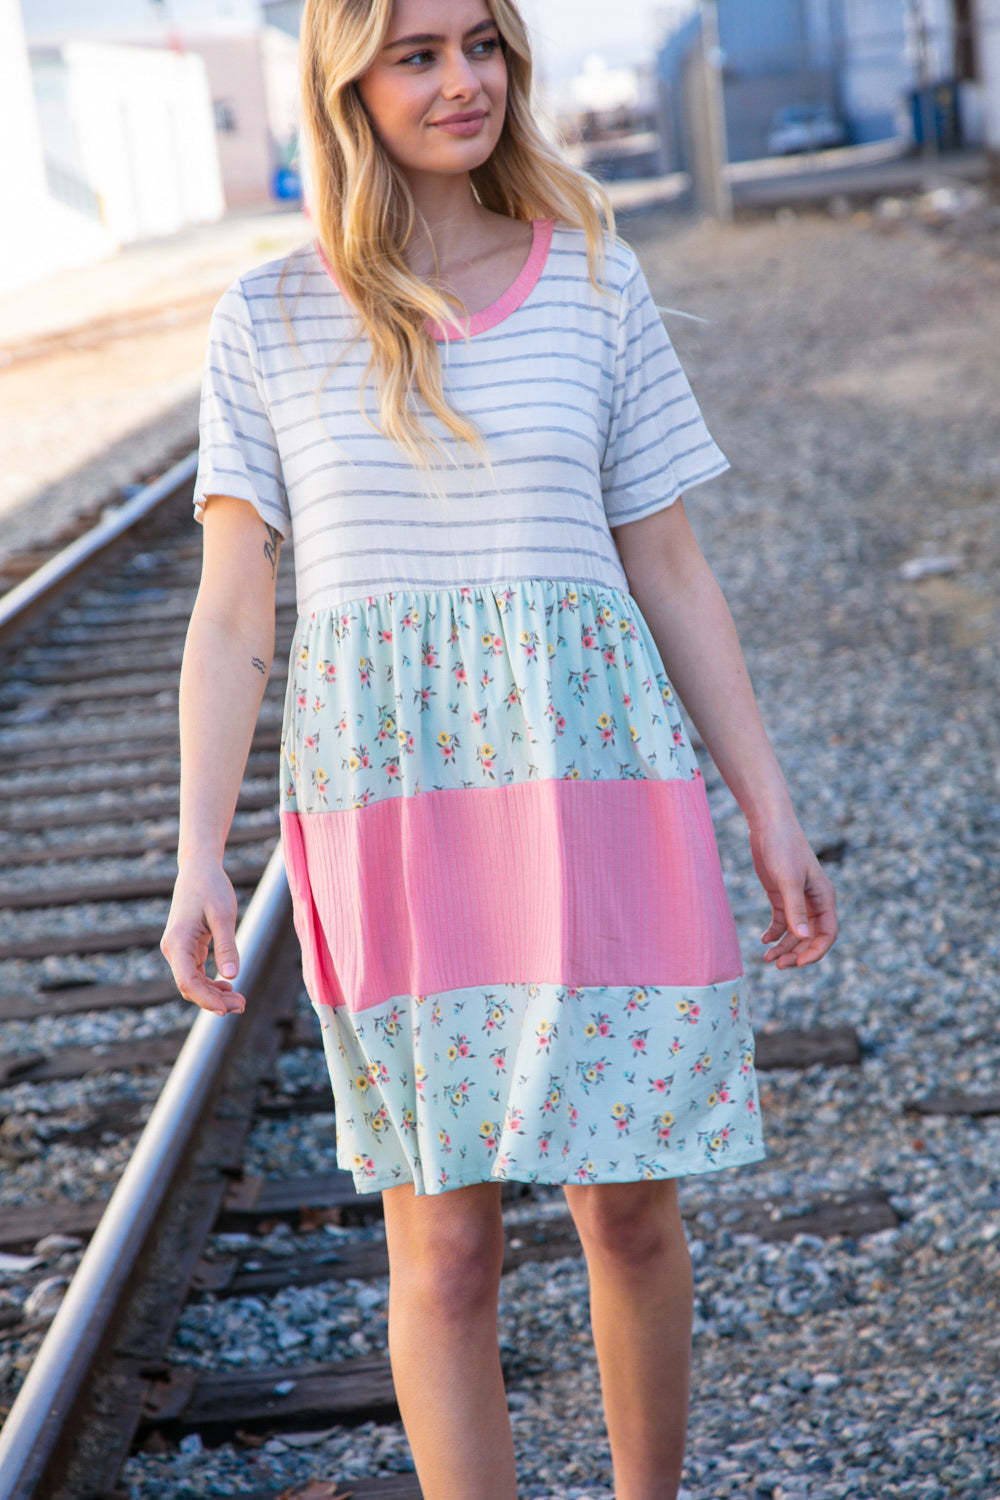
[487, 47]
[416, 59]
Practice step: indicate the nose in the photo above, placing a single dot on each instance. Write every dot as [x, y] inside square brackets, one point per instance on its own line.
[460, 80]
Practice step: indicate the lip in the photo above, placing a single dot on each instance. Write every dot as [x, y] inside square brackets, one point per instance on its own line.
[464, 124]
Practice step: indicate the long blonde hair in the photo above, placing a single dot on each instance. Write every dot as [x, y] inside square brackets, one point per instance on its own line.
[365, 214]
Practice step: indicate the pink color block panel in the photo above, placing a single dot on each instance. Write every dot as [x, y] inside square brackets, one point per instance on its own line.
[561, 882]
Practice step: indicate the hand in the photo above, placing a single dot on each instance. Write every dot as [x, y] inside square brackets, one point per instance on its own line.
[803, 922]
[203, 916]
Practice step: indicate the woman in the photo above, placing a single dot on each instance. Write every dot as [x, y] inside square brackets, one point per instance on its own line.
[462, 404]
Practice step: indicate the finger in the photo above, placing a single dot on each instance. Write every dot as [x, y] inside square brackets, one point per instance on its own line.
[227, 960]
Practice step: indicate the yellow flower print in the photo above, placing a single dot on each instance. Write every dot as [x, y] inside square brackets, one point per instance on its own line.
[666, 1119]
[552, 649]
[573, 775]
[604, 721]
[683, 1006]
[390, 724]
[486, 750]
[303, 655]
[605, 612]
[715, 1142]
[571, 596]
[640, 996]
[486, 638]
[361, 1082]
[359, 1162]
[452, 1053]
[421, 1072]
[525, 637]
[543, 1026]
[486, 1129]
[353, 762]
[444, 738]
[618, 1110]
[401, 736]
[712, 1099]
[591, 1075]
[633, 732]
[590, 1029]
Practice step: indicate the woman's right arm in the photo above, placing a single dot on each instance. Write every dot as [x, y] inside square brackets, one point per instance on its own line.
[227, 658]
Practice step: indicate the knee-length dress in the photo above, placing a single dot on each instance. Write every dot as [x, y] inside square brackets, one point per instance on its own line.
[504, 876]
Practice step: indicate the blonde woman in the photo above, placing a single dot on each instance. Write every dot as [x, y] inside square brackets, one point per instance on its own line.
[462, 405]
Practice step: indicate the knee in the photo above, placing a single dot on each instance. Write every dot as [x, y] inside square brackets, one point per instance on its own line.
[454, 1270]
[634, 1225]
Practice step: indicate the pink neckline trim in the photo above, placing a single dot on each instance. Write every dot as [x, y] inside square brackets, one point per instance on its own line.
[518, 292]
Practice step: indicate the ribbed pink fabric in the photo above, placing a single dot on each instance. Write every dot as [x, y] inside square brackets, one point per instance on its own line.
[509, 301]
[562, 882]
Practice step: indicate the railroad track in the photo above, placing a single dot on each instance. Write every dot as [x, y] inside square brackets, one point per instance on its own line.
[135, 1132]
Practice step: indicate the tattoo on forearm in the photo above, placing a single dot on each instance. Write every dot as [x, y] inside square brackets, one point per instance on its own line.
[261, 666]
[271, 546]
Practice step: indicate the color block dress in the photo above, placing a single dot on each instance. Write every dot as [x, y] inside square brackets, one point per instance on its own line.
[505, 881]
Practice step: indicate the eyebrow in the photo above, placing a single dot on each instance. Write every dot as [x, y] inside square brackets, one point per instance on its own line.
[425, 38]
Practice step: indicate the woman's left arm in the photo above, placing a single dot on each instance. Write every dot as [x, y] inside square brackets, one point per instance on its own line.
[690, 622]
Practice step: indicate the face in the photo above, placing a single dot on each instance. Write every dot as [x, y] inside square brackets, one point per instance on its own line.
[437, 92]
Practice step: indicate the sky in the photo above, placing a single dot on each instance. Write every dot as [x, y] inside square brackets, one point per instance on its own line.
[566, 30]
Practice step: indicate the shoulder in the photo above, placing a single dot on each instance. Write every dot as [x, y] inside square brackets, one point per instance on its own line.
[284, 289]
[569, 255]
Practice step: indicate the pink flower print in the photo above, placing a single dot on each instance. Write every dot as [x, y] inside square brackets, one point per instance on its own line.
[365, 671]
[636, 1001]
[627, 700]
[746, 1065]
[488, 1135]
[428, 655]
[320, 782]
[606, 725]
[379, 1121]
[459, 1095]
[599, 1025]
[678, 736]
[622, 1114]
[568, 600]
[701, 1064]
[586, 678]
[391, 768]
[544, 1142]
[504, 598]
[385, 636]
[494, 1017]
[660, 1085]
[734, 1005]
[342, 726]
[675, 1046]
[405, 741]
[377, 1072]
[638, 1040]
[751, 1105]
[444, 1140]
[663, 1126]
[573, 774]
[499, 1059]
[409, 1120]
[546, 1033]
[485, 680]
[327, 671]
[514, 1122]
[529, 644]
[552, 1099]
[460, 675]
[447, 744]
[423, 696]
[485, 755]
[688, 1012]
[459, 1048]
[301, 700]
[312, 741]
[573, 1115]
[586, 1172]
[514, 696]
[443, 1178]
[609, 655]
[420, 1079]
[436, 1014]
[560, 724]
[479, 716]
[605, 614]
[411, 619]
[588, 637]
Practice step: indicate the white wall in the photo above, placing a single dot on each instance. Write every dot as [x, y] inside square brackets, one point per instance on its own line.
[988, 18]
[37, 236]
[145, 136]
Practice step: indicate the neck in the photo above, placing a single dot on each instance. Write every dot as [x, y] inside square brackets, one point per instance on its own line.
[447, 212]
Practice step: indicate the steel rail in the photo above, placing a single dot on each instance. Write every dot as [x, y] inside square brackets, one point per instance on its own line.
[48, 581]
[32, 1429]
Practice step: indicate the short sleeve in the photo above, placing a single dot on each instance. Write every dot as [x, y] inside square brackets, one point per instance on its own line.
[658, 445]
[238, 453]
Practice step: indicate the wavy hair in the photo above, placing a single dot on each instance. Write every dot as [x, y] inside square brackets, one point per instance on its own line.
[365, 215]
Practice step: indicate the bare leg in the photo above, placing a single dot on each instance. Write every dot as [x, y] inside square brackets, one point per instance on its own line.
[445, 1256]
[641, 1310]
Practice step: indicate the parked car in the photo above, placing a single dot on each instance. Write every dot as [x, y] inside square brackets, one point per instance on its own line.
[804, 127]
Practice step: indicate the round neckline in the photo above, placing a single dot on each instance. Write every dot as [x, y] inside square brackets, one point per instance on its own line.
[508, 302]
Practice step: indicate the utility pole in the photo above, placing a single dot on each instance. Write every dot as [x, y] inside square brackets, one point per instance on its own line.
[711, 184]
[925, 95]
[986, 20]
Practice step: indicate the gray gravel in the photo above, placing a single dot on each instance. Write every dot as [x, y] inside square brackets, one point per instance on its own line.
[851, 375]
